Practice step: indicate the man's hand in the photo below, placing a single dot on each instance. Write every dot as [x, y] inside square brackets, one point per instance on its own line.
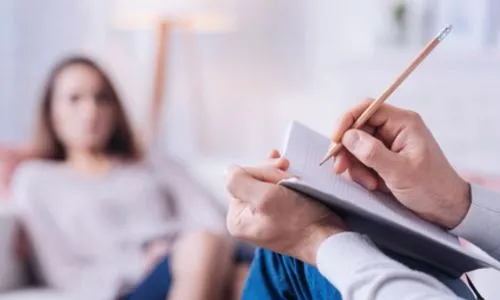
[275, 217]
[395, 152]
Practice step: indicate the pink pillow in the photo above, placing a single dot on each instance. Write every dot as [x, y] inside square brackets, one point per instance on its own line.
[10, 157]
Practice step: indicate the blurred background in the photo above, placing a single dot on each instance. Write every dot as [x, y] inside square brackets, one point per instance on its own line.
[218, 81]
[236, 78]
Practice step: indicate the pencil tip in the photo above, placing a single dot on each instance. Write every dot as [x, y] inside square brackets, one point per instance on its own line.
[324, 161]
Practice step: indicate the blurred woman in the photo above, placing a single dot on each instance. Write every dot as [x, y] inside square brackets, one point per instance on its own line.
[102, 224]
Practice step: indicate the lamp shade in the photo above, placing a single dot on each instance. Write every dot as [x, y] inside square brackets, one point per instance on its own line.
[195, 14]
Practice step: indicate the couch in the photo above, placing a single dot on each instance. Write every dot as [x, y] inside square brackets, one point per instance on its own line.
[209, 173]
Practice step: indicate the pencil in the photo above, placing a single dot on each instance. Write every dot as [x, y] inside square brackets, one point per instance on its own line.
[368, 113]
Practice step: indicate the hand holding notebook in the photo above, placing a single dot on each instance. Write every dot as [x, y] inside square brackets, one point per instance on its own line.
[376, 214]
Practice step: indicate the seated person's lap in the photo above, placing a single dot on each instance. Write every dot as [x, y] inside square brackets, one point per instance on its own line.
[275, 276]
[158, 283]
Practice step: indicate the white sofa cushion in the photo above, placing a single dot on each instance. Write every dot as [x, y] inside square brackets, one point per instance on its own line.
[11, 275]
[35, 294]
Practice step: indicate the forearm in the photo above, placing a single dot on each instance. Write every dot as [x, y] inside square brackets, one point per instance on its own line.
[359, 270]
[482, 222]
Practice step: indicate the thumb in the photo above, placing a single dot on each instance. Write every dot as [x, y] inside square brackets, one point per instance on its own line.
[370, 151]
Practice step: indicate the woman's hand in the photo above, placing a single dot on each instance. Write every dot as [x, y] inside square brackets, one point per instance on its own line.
[156, 251]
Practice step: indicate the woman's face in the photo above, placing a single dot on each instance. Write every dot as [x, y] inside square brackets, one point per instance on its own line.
[82, 111]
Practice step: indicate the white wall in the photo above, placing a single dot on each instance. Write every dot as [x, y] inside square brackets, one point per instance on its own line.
[456, 91]
[247, 75]
[8, 107]
[288, 60]
[35, 35]
[32, 42]
[456, 95]
[251, 74]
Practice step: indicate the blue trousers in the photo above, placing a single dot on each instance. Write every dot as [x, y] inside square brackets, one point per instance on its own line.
[274, 276]
[157, 284]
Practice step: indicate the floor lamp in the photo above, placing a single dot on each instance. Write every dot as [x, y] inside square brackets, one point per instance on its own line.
[189, 27]
[165, 18]
[163, 28]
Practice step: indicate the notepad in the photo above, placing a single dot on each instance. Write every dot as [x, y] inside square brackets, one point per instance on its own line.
[380, 216]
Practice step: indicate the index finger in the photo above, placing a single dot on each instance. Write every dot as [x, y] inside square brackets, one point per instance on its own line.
[388, 119]
[348, 119]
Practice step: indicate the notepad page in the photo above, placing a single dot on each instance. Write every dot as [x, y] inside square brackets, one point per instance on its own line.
[302, 146]
[305, 148]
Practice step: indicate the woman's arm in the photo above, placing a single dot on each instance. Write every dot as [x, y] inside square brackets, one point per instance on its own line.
[196, 206]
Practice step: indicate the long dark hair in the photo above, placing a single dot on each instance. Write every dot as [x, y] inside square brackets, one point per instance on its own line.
[48, 145]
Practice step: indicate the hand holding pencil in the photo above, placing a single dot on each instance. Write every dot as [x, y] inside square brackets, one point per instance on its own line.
[335, 148]
[395, 152]
[392, 150]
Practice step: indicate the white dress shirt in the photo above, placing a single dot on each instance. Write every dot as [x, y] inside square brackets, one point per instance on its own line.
[360, 271]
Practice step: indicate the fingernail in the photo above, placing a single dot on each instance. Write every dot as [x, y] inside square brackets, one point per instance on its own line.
[350, 139]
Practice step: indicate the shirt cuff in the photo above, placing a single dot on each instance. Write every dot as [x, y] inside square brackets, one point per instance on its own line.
[480, 225]
[342, 254]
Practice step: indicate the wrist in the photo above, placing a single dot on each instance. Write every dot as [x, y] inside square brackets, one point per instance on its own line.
[313, 238]
[459, 205]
